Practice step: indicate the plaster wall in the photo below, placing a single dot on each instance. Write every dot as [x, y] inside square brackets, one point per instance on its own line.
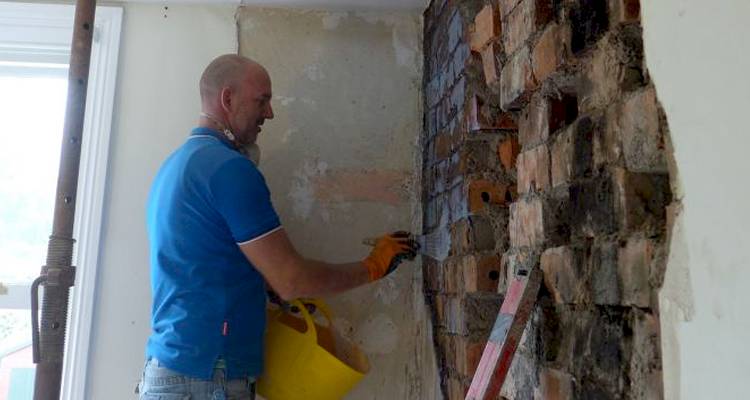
[162, 54]
[698, 56]
[339, 158]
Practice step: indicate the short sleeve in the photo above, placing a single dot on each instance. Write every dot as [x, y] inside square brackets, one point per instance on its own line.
[241, 196]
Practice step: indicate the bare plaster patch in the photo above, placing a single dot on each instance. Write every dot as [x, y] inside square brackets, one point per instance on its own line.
[360, 185]
[387, 291]
[377, 335]
[302, 191]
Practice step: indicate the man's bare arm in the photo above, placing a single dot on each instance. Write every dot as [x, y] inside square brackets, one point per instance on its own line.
[293, 276]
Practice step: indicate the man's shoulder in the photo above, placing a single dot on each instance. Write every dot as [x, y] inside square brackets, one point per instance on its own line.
[209, 157]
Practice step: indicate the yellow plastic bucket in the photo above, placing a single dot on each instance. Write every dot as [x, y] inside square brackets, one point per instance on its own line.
[307, 361]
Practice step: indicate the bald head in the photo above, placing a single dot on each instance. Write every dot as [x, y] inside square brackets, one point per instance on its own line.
[236, 95]
[228, 70]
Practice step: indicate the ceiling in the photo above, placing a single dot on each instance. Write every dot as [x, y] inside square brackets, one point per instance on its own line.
[354, 5]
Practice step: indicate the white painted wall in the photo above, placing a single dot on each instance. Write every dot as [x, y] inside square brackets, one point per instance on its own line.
[698, 53]
[163, 53]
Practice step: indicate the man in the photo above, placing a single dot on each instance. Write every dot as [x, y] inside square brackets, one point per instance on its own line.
[215, 238]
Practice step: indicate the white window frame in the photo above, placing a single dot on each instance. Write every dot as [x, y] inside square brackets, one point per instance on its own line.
[34, 34]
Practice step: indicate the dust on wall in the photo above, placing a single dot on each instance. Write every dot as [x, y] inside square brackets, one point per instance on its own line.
[339, 158]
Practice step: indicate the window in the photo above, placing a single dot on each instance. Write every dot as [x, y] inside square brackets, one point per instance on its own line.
[34, 52]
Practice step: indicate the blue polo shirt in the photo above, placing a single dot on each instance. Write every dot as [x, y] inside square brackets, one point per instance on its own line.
[209, 301]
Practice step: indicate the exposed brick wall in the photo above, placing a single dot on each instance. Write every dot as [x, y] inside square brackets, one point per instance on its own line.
[544, 148]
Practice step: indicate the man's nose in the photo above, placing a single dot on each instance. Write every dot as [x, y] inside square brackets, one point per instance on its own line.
[269, 112]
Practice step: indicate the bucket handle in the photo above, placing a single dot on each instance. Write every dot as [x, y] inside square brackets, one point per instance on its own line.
[311, 332]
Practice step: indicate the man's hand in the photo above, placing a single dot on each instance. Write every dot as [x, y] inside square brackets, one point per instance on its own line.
[388, 253]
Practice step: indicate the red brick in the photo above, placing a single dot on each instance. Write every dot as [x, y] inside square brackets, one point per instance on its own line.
[478, 156]
[523, 21]
[507, 152]
[456, 389]
[447, 344]
[550, 51]
[451, 314]
[610, 72]
[641, 200]
[458, 202]
[471, 235]
[431, 273]
[490, 64]
[482, 233]
[645, 365]
[443, 146]
[451, 274]
[543, 116]
[517, 80]
[572, 152]
[526, 224]
[636, 123]
[563, 274]
[482, 273]
[634, 269]
[480, 117]
[533, 168]
[439, 304]
[506, 121]
[562, 158]
[476, 117]
[506, 6]
[533, 127]
[486, 27]
[468, 353]
[624, 11]
[460, 237]
[556, 385]
[483, 192]
[460, 354]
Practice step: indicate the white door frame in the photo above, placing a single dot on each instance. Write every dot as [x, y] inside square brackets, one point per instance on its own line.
[34, 34]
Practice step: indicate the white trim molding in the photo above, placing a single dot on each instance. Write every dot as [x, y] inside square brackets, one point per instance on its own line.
[91, 188]
[36, 38]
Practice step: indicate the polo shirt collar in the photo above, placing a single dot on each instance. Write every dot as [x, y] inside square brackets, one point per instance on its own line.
[203, 131]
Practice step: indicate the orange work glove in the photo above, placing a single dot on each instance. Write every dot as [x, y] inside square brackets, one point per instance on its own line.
[388, 253]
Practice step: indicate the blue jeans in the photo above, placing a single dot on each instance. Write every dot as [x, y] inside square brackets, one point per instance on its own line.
[161, 383]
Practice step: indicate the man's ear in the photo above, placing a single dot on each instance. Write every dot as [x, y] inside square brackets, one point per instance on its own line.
[226, 98]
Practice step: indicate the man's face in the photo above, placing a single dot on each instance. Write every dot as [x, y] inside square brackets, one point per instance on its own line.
[251, 106]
